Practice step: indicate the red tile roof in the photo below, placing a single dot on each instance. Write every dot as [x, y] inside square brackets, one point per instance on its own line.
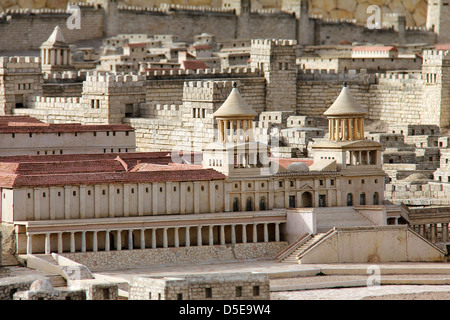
[194, 65]
[89, 169]
[136, 45]
[375, 48]
[442, 46]
[25, 124]
[286, 162]
[201, 47]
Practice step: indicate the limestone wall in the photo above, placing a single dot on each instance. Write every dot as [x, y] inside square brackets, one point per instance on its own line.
[104, 260]
[414, 10]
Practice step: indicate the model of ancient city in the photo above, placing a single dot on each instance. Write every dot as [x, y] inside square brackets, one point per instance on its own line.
[224, 150]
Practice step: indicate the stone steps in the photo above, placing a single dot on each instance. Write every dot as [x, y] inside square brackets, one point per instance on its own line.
[292, 258]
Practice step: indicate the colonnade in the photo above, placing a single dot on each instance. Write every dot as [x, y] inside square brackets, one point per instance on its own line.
[235, 130]
[213, 230]
[434, 232]
[346, 129]
[55, 56]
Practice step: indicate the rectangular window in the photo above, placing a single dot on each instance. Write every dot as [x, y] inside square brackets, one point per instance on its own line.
[208, 293]
[238, 292]
[255, 291]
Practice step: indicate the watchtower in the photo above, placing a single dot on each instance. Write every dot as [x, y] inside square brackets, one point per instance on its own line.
[276, 59]
[438, 19]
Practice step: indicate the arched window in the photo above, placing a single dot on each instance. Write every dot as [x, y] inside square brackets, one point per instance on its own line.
[376, 198]
[262, 203]
[349, 199]
[362, 199]
[235, 204]
[249, 205]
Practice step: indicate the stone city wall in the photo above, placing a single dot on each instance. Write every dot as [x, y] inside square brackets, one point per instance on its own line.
[415, 11]
[104, 260]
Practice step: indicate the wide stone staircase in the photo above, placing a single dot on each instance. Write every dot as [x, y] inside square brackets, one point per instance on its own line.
[327, 219]
[293, 257]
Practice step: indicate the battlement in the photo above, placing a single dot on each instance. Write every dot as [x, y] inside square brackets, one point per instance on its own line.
[170, 7]
[12, 65]
[53, 100]
[436, 53]
[111, 79]
[209, 84]
[399, 76]
[331, 74]
[261, 43]
[65, 76]
[207, 90]
[207, 73]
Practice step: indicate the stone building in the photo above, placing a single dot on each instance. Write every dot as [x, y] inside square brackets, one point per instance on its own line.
[224, 286]
[108, 202]
[29, 136]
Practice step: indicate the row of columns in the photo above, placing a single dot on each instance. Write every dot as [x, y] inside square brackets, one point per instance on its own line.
[230, 130]
[431, 231]
[346, 129]
[130, 244]
[55, 56]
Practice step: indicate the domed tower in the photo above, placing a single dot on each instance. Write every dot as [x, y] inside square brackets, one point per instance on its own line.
[235, 151]
[346, 151]
[345, 118]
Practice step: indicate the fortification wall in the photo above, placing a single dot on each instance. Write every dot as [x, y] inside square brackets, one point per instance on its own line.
[318, 89]
[398, 99]
[185, 24]
[28, 29]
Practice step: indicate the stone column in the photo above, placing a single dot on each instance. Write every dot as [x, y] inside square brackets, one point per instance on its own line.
[119, 240]
[444, 232]
[211, 236]
[153, 238]
[199, 235]
[83, 241]
[177, 239]
[255, 233]
[244, 233]
[187, 237]
[130, 239]
[233, 233]
[60, 243]
[29, 243]
[266, 233]
[222, 234]
[142, 238]
[277, 232]
[433, 232]
[72, 242]
[95, 241]
[47, 243]
[107, 244]
[165, 240]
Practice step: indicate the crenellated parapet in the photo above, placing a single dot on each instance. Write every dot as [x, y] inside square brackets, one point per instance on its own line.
[202, 74]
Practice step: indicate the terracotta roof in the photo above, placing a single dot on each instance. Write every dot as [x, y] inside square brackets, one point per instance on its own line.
[89, 169]
[286, 162]
[375, 48]
[194, 65]
[136, 45]
[25, 124]
[442, 46]
[201, 47]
